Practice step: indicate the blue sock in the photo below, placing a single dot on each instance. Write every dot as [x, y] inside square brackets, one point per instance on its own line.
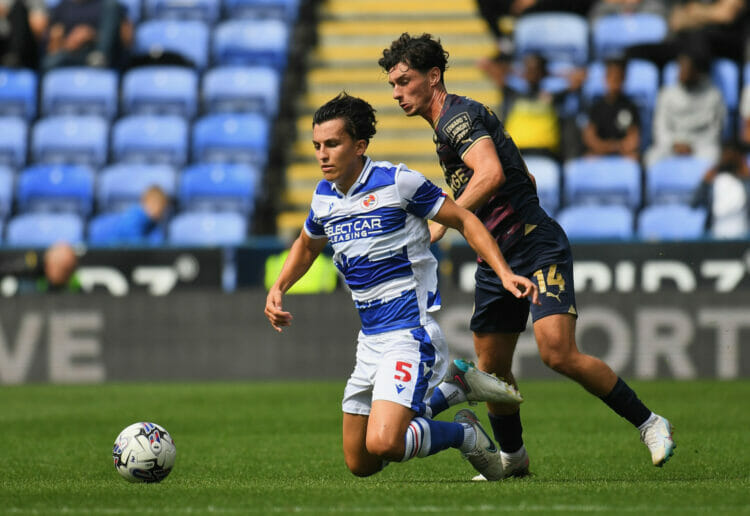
[425, 437]
[445, 395]
[437, 402]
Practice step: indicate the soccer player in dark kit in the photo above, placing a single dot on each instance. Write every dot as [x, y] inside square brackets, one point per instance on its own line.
[488, 176]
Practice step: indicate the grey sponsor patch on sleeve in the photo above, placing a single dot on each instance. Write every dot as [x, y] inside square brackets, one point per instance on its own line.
[458, 128]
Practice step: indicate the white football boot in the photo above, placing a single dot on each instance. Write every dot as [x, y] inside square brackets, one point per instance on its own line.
[515, 464]
[480, 386]
[484, 456]
[656, 434]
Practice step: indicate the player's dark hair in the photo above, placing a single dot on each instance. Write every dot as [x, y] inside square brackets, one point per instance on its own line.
[422, 53]
[357, 114]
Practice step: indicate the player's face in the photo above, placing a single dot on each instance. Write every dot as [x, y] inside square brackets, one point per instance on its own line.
[338, 154]
[412, 89]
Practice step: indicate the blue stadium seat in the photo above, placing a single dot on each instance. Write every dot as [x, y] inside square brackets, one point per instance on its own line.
[726, 74]
[671, 222]
[6, 191]
[286, 10]
[132, 10]
[104, 230]
[203, 228]
[597, 222]
[558, 36]
[613, 33]
[160, 90]
[14, 134]
[67, 188]
[226, 138]
[554, 84]
[218, 187]
[641, 81]
[602, 180]
[18, 93]
[188, 38]
[150, 139]
[236, 89]
[204, 10]
[674, 179]
[546, 172]
[251, 42]
[641, 85]
[121, 185]
[44, 229]
[70, 139]
[79, 91]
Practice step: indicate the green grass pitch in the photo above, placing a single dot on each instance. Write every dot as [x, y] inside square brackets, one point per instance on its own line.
[275, 448]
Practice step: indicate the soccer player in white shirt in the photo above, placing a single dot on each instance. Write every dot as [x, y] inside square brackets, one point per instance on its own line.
[375, 214]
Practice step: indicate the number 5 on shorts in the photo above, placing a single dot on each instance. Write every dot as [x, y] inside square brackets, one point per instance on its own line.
[401, 367]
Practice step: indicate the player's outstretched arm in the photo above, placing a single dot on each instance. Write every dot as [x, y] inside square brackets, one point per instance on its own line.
[452, 215]
[302, 254]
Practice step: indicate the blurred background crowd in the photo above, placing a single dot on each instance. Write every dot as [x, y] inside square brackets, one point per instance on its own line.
[182, 122]
[660, 83]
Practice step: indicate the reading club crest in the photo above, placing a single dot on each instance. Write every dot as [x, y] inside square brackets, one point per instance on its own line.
[370, 201]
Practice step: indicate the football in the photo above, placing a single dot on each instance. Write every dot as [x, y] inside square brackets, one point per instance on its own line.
[144, 452]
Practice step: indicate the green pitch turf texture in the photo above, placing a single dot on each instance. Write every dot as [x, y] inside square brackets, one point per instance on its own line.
[275, 448]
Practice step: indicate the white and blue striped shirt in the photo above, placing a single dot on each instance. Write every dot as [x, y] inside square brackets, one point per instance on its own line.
[381, 243]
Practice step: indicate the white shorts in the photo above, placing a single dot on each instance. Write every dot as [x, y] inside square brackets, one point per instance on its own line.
[402, 366]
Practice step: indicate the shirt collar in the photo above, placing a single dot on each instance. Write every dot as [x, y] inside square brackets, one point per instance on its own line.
[362, 179]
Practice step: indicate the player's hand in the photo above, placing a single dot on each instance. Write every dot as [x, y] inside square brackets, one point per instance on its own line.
[437, 231]
[521, 286]
[274, 312]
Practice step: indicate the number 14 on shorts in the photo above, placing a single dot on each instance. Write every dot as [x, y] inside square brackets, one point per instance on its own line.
[554, 278]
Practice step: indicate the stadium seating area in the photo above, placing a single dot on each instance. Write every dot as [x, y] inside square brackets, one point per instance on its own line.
[79, 144]
[607, 197]
[86, 142]
[627, 199]
[613, 197]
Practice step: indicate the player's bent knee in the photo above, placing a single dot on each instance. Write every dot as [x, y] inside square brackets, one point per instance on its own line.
[558, 362]
[386, 446]
[360, 468]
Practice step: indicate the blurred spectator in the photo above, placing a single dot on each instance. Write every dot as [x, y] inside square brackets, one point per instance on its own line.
[718, 27]
[610, 7]
[22, 24]
[60, 262]
[536, 118]
[498, 69]
[499, 15]
[725, 192]
[689, 115]
[87, 32]
[54, 272]
[142, 223]
[745, 118]
[721, 25]
[613, 121]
